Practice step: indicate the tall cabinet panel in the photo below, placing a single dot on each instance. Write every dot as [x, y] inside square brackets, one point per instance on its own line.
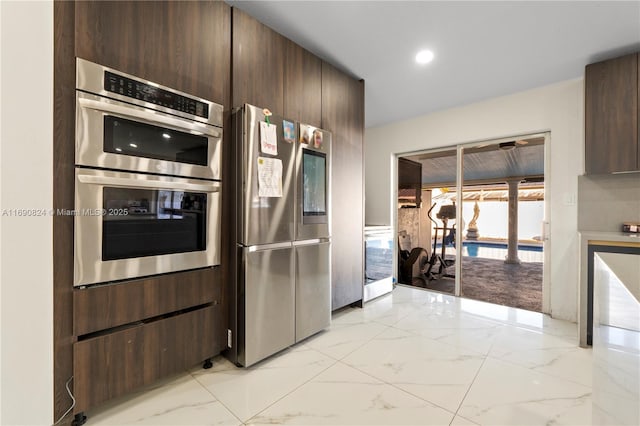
[258, 64]
[303, 91]
[63, 198]
[183, 45]
[343, 115]
[611, 116]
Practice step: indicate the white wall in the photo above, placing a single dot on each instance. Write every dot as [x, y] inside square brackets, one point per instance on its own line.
[556, 108]
[26, 265]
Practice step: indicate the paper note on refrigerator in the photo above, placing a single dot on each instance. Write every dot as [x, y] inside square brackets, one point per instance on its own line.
[269, 177]
[268, 138]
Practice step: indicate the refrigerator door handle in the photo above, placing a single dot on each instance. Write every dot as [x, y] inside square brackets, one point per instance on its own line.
[311, 242]
[262, 247]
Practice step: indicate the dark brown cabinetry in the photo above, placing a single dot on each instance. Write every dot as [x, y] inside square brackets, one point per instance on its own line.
[108, 306]
[258, 64]
[270, 71]
[183, 45]
[343, 115]
[111, 365]
[133, 333]
[63, 198]
[178, 319]
[303, 85]
[612, 143]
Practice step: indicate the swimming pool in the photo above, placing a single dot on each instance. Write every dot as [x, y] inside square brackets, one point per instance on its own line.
[487, 250]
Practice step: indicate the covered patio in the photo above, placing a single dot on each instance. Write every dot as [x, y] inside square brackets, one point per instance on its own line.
[494, 281]
[499, 179]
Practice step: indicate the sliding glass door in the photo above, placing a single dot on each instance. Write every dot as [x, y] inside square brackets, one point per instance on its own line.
[478, 226]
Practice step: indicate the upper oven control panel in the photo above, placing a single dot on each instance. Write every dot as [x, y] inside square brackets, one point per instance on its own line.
[149, 93]
[104, 81]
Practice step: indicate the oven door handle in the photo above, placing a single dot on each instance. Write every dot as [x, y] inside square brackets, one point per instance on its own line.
[155, 184]
[191, 126]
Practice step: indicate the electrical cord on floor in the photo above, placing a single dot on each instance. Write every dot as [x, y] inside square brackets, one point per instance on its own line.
[73, 403]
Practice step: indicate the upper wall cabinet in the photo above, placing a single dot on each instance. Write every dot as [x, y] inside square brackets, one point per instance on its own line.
[612, 143]
[183, 45]
[258, 64]
[303, 85]
[273, 72]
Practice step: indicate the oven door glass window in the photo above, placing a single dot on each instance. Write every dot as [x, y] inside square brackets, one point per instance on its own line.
[122, 136]
[147, 222]
[314, 183]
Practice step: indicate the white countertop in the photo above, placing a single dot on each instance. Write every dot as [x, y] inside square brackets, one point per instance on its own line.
[609, 236]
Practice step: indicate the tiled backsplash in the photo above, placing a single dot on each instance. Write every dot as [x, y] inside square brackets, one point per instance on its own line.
[605, 201]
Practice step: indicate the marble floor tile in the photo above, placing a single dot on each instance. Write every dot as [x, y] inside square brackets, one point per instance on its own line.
[461, 421]
[407, 294]
[180, 401]
[555, 327]
[443, 319]
[616, 376]
[247, 391]
[347, 315]
[534, 321]
[342, 339]
[382, 310]
[434, 371]
[342, 395]
[545, 353]
[410, 357]
[507, 394]
[478, 339]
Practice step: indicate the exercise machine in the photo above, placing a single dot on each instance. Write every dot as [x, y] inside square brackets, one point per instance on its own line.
[417, 263]
[439, 265]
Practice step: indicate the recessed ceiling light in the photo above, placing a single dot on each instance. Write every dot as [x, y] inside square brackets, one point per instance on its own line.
[166, 135]
[133, 145]
[119, 149]
[424, 57]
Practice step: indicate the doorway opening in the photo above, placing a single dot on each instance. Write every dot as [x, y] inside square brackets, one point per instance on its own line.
[472, 225]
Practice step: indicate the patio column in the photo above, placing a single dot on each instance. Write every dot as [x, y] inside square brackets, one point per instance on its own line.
[512, 245]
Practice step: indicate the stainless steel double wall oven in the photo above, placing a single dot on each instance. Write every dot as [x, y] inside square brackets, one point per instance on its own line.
[148, 178]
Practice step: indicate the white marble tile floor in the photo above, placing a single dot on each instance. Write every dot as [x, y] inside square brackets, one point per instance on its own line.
[412, 357]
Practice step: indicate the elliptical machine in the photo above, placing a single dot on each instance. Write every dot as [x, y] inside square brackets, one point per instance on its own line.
[438, 263]
[418, 264]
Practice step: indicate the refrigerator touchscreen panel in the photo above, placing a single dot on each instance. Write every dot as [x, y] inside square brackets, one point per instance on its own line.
[314, 183]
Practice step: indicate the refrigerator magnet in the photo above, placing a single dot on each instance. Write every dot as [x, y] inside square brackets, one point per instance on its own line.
[267, 114]
[317, 138]
[288, 131]
[305, 136]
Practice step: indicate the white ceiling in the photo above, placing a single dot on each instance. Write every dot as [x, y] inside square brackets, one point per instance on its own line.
[482, 49]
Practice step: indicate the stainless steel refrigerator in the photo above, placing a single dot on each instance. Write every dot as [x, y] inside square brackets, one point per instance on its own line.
[283, 278]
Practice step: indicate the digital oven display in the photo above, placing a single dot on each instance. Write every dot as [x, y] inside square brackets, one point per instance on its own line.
[145, 92]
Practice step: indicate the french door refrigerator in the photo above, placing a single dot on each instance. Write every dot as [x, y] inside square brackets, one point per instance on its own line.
[282, 289]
